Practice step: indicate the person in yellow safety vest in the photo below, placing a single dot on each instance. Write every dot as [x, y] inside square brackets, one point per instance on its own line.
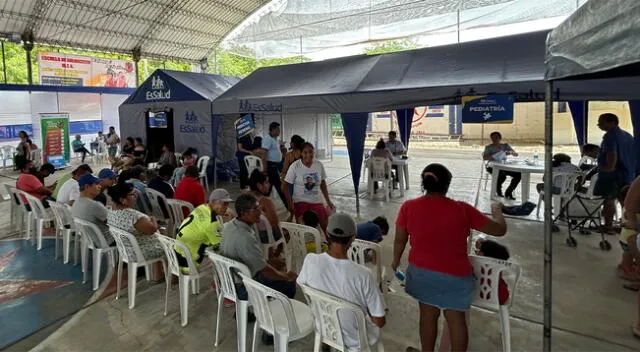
[201, 228]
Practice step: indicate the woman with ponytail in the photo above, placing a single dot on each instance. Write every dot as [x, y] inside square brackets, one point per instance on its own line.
[439, 275]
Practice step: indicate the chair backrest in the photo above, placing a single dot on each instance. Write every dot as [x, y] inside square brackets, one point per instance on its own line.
[592, 186]
[158, 203]
[224, 270]
[325, 308]
[7, 151]
[488, 271]
[587, 160]
[253, 162]
[36, 156]
[569, 181]
[176, 214]
[127, 244]
[142, 202]
[13, 193]
[178, 158]
[91, 233]
[380, 169]
[36, 206]
[62, 216]
[169, 244]
[265, 301]
[358, 253]
[202, 165]
[296, 246]
[20, 198]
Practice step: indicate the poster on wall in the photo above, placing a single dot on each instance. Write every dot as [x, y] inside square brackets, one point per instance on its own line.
[157, 119]
[244, 126]
[487, 109]
[59, 69]
[55, 138]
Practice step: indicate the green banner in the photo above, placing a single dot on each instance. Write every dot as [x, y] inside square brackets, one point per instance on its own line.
[55, 139]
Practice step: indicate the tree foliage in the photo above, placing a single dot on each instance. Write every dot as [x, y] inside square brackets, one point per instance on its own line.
[228, 62]
[390, 46]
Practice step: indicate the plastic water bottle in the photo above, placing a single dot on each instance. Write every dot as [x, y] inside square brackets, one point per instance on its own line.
[536, 158]
[400, 275]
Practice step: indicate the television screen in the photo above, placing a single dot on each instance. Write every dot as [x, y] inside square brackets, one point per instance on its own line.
[158, 119]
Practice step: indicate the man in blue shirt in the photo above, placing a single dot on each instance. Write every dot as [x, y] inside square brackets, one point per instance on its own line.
[273, 156]
[616, 165]
[373, 231]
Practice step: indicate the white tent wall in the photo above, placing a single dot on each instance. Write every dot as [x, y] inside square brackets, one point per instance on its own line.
[42, 102]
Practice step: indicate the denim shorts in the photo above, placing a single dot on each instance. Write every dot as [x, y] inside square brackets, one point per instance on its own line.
[440, 290]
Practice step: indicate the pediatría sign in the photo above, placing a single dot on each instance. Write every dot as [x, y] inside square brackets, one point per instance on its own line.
[487, 109]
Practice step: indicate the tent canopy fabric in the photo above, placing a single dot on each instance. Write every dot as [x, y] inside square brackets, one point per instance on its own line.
[168, 85]
[431, 76]
[599, 40]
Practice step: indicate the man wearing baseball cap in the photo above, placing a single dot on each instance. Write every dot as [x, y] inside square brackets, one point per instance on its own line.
[109, 178]
[86, 208]
[334, 273]
[201, 228]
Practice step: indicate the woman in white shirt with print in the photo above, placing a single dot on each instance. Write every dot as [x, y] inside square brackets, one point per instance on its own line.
[308, 178]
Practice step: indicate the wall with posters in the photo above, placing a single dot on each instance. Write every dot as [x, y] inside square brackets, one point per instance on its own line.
[59, 69]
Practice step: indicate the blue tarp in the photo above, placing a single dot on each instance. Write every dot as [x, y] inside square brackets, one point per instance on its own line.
[579, 113]
[167, 85]
[355, 128]
[405, 119]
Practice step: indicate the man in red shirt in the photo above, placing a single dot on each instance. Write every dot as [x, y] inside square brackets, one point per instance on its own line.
[29, 182]
[189, 189]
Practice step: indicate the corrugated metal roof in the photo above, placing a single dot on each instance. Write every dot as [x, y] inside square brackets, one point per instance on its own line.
[163, 29]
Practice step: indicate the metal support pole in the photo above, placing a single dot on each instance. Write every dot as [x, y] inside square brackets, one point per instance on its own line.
[136, 59]
[548, 219]
[4, 64]
[585, 121]
[28, 46]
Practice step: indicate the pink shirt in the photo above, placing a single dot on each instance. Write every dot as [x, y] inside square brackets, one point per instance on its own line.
[30, 183]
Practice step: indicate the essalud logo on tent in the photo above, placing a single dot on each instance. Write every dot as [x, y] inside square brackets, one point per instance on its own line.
[191, 124]
[157, 91]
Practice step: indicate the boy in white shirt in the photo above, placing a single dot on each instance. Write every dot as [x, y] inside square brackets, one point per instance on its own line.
[334, 273]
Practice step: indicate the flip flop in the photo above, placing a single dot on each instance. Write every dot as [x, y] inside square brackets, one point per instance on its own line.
[633, 287]
[635, 331]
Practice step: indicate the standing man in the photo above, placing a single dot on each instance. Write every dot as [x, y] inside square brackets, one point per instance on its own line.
[113, 141]
[616, 165]
[273, 156]
[334, 273]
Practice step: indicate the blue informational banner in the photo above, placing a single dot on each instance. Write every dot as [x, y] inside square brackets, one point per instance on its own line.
[85, 127]
[158, 120]
[244, 126]
[487, 109]
[11, 131]
[57, 161]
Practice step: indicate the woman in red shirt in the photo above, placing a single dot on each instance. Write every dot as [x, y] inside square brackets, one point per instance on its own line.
[439, 275]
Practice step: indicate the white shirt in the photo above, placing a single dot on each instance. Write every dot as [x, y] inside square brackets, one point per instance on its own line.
[350, 281]
[70, 191]
[306, 181]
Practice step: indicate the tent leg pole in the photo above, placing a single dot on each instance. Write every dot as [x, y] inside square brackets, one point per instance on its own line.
[357, 204]
[548, 217]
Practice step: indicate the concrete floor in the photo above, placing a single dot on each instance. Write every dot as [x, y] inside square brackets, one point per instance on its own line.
[591, 310]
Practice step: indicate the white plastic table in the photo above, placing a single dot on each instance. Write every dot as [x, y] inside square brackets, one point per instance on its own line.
[403, 173]
[524, 168]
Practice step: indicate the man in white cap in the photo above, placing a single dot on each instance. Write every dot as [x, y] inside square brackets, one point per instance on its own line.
[334, 273]
[201, 228]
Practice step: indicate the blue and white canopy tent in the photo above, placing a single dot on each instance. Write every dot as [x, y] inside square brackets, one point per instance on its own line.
[187, 96]
[355, 86]
[598, 43]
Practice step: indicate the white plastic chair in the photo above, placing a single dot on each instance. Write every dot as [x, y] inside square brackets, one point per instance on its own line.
[284, 318]
[178, 158]
[185, 281]
[325, 308]
[202, 167]
[224, 271]
[101, 153]
[40, 216]
[17, 211]
[358, 252]
[36, 156]
[587, 160]
[157, 200]
[380, 171]
[93, 239]
[486, 175]
[567, 190]
[65, 228]
[7, 154]
[176, 215]
[252, 162]
[487, 272]
[296, 247]
[130, 253]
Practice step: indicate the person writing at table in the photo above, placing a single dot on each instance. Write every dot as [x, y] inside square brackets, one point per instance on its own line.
[397, 149]
[497, 151]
